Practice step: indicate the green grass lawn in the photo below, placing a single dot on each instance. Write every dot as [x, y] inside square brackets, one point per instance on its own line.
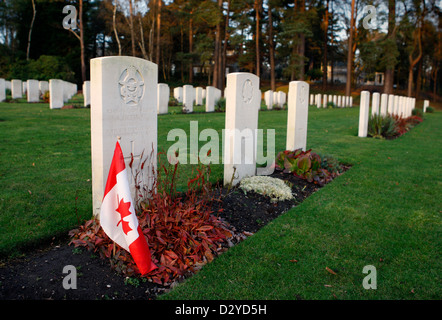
[385, 211]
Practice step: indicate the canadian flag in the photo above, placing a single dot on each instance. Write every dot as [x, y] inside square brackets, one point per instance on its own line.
[117, 215]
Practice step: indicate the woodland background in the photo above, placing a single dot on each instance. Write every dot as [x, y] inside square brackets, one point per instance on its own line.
[192, 41]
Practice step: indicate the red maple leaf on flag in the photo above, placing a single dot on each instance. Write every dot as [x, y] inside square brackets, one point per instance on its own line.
[123, 210]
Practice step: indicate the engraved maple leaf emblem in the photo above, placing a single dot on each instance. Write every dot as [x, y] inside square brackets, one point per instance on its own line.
[123, 210]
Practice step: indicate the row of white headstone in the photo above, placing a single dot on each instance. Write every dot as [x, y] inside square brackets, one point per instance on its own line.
[60, 91]
[272, 98]
[124, 107]
[188, 96]
[392, 104]
[338, 101]
[389, 104]
[32, 88]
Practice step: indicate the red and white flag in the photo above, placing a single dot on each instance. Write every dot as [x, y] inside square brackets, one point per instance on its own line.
[117, 215]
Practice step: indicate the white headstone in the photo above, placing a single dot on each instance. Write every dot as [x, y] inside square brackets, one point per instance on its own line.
[375, 104]
[178, 94]
[324, 103]
[396, 105]
[43, 87]
[212, 96]
[351, 101]
[335, 100]
[55, 93]
[426, 105]
[188, 98]
[407, 108]
[318, 100]
[364, 114]
[199, 96]
[2, 89]
[401, 110]
[123, 105]
[390, 107]
[25, 87]
[297, 116]
[163, 98]
[268, 97]
[33, 91]
[281, 98]
[16, 89]
[243, 98]
[87, 93]
[384, 101]
[340, 101]
[311, 98]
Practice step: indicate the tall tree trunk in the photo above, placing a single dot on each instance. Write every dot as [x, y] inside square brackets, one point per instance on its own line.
[418, 80]
[131, 27]
[271, 51]
[350, 50]
[434, 76]
[301, 53]
[217, 54]
[294, 52]
[389, 71]
[332, 41]
[191, 50]
[301, 44]
[182, 51]
[258, 5]
[115, 28]
[413, 62]
[34, 13]
[325, 42]
[157, 56]
[224, 50]
[81, 39]
[83, 63]
[141, 43]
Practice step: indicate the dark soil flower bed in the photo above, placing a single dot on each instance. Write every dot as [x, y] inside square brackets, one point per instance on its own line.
[40, 275]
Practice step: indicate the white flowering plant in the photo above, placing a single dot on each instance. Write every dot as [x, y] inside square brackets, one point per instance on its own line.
[274, 188]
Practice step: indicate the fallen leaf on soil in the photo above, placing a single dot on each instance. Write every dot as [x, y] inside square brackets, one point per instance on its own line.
[294, 260]
[331, 271]
[327, 285]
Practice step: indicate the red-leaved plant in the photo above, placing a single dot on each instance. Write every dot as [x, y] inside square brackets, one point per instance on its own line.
[403, 125]
[180, 229]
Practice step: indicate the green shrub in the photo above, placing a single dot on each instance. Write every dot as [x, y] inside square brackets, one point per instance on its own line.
[331, 105]
[44, 68]
[307, 165]
[430, 110]
[220, 105]
[417, 112]
[330, 163]
[173, 102]
[382, 126]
